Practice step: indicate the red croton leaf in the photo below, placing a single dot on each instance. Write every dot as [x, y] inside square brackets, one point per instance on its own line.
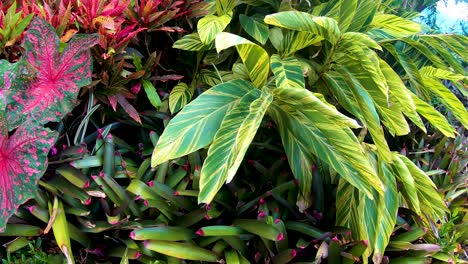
[23, 160]
[49, 80]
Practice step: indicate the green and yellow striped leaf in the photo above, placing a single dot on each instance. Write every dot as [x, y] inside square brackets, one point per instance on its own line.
[442, 51]
[363, 15]
[430, 200]
[288, 72]
[361, 38]
[347, 11]
[231, 142]
[254, 57]
[301, 21]
[335, 145]
[434, 117]
[190, 42]
[255, 28]
[211, 25]
[225, 6]
[195, 126]
[432, 72]
[395, 25]
[180, 95]
[408, 185]
[291, 41]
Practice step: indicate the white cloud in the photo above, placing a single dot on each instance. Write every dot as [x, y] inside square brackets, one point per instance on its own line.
[453, 11]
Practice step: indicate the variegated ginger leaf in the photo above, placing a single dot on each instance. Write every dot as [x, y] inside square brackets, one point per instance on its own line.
[335, 145]
[434, 117]
[394, 25]
[196, 125]
[210, 25]
[432, 72]
[231, 142]
[288, 72]
[225, 6]
[180, 95]
[23, 161]
[255, 28]
[254, 57]
[287, 43]
[323, 26]
[408, 184]
[347, 9]
[363, 15]
[190, 42]
[51, 78]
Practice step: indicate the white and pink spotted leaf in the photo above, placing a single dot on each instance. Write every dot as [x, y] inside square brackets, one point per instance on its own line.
[49, 79]
[23, 161]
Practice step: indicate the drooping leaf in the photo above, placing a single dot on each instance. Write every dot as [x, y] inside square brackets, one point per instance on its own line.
[128, 107]
[363, 15]
[179, 97]
[408, 184]
[196, 125]
[151, 93]
[323, 26]
[225, 6]
[291, 41]
[231, 142]
[432, 72]
[211, 25]
[254, 57]
[346, 14]
[23, 160]
[335, 145]
[53, 79]
[395, 25]
[190, 42]
[434, 117]
[255, 28]
[288, 72]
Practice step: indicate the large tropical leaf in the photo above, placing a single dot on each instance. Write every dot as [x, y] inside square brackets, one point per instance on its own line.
[346, 14]
[195, 126]
[363, 15]
[408, 184]
[288, 72]
[287, 43]
[225, 6]
[53, 78]
[433, 116]
[323, 26]
[372, 220]
[180, 95]
[23, 161]
[190, 42]
[255, 27]
[210, 25]
[335, 145]
[232, 140]
[254, 57]
[394, 25]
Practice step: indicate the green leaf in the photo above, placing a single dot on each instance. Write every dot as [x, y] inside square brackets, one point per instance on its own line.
[225, 6]
[448, 99]
[190, 42]
[288, 43]
[435, 44]
[195, 126]
[231, 142]
[430, 200]
[408, 185]
[288, 72]
[254, 57]
[361, 38]
[179, 97]
[211, 25]
[255, 28]
[151, 93]
[363, 15]
[395, 25]
[434, 117]
[347, 11]
[442, 74]
[301, 21]
[337, 146]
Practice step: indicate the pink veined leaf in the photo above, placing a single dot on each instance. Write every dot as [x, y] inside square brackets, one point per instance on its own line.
[23, 161]
[49, 80]
[131, 111]
[169, 77]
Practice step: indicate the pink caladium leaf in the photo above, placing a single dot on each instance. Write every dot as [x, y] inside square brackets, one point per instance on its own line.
[23, 161]
[49, 79]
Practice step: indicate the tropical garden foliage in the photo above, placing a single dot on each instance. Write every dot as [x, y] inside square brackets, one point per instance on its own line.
[231, 131]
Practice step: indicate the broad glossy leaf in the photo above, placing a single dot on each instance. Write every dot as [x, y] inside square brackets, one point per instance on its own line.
[323, 26]
[434, 117]
[151, 93]
[254, 57]
[430, 200]
[435, 44]
[425, 51]
[231, 142]
[363, 15]
[52, 78]
[456, 42]
[255, 28]
[347, 11]
[190, 42]
[448, 99]
[211, 25]
[408, 184]
[180, 95]
[288, 72]
[225, 6]
[195, 126]
[318, 112]
[335, 145]
[291, 41]
[442, 74]
[395, 25]
[212, 78]
[23, 161]
[361, 38]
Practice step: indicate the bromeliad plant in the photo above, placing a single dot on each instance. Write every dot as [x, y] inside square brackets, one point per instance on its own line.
[321, 75]
[40, 88]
